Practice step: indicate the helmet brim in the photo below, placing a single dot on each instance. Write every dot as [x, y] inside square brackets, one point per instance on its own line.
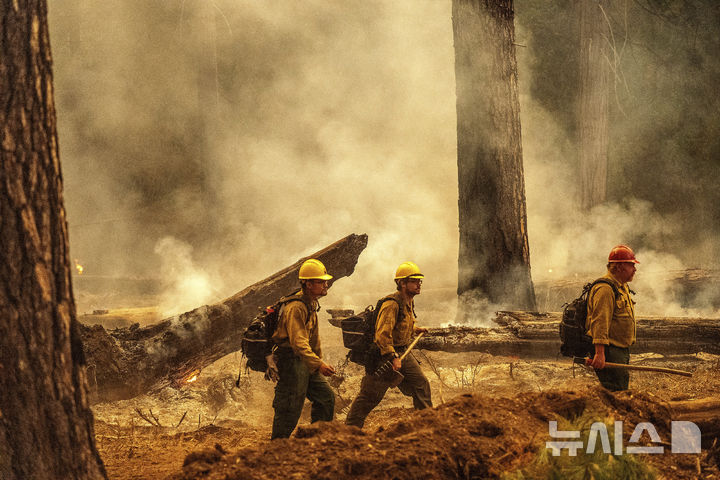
[415, 275]
[321, 277]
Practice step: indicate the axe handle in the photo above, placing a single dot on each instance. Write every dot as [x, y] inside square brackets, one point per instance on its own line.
[586, 362]
[411, 345]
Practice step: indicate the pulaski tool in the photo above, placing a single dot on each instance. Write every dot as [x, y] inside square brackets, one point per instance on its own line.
[386, 372]
[586, 362]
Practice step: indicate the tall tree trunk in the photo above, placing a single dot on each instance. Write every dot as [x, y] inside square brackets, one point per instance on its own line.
[46, 426]
[494, 260]
[594, 93]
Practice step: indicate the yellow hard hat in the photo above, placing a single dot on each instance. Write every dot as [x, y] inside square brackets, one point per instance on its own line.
[313, 269]
[408, 270]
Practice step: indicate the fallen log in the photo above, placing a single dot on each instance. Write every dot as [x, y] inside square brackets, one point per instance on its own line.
[705, 413]
[126, 362]
[690, 287]
[535, 335]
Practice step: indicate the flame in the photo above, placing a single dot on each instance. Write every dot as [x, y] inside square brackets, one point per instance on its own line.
[192, 379]
[79, 267]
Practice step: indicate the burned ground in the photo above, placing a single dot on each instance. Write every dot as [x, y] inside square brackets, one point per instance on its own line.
[491, 419]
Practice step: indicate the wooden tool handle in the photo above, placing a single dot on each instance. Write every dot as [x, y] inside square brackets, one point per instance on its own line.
[587, 361]
[412, 345]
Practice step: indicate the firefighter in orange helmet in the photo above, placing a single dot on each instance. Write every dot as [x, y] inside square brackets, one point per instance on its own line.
[611, 319]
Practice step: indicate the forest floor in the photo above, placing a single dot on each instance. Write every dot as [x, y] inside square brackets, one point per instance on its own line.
[491, 420]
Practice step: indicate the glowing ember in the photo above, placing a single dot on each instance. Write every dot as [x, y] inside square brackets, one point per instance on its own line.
[79, 267]
[192, 379]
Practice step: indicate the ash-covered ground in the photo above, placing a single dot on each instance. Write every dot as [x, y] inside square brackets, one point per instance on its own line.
[230, 426]
[209, 428]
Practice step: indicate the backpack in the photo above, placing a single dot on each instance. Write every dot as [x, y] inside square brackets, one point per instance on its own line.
[257, 342]
[358, 333]
[575, 342]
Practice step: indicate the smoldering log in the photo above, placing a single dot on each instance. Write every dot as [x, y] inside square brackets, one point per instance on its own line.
[126, 362]
[535, 335]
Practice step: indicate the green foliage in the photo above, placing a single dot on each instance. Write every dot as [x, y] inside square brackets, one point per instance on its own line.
[596, 466]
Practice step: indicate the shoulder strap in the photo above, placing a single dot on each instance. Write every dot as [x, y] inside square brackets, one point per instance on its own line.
[382, 301]
[607, 282]
[283, 302]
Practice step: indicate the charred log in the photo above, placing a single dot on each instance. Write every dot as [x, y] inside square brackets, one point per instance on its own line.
[690, 288]
[127, 362]
[530, 334]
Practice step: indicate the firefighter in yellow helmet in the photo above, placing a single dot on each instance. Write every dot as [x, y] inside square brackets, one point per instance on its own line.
[394, 330]
[298, 355]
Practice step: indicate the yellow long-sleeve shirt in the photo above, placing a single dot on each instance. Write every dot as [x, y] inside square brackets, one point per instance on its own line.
[610, 320]
[298, 329]
[391, 331]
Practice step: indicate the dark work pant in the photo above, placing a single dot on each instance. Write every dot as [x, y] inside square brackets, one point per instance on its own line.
[295, 384]
[373, 388]
[615, 379]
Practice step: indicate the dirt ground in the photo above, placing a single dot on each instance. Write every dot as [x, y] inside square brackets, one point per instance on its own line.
[491, 419]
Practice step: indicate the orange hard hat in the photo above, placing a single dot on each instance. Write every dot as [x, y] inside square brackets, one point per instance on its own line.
[622, 253]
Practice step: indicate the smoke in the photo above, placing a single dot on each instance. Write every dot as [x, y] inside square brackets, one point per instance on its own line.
[185, 285]
[651, 204]
[315, 122]
[218, 142]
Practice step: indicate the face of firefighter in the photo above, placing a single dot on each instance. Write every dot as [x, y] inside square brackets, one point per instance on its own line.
[411, 286]
[625, 272]
[316, 288]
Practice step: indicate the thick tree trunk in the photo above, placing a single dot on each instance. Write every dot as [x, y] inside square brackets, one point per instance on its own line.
[127, 362]
[46, 426]
[494, 258]
[595, 56]
[534, 335]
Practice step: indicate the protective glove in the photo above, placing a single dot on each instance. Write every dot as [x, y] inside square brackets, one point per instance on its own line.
[272, 372]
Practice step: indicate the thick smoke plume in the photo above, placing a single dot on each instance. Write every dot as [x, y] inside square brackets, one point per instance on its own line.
[210, 144]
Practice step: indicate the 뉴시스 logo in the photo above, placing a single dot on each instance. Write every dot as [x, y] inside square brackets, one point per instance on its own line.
[685, 439]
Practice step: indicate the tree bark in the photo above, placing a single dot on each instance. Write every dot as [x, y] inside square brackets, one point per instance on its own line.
[127, 362]
[46, 426]
[593, 139]
[535, 335]
[494, 257]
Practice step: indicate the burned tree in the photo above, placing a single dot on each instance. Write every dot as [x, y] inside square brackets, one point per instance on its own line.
[46, 426]
[494, 257]
[126, 362]
[593, 102]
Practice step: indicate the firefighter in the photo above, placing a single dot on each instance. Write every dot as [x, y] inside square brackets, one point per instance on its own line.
[298, 356]
[611, 319]
[393, 333]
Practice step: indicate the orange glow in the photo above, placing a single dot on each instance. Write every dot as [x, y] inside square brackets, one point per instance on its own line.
[79, 267]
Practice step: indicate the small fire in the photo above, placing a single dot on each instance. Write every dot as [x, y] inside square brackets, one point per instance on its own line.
[79, 267]
[192, 379]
